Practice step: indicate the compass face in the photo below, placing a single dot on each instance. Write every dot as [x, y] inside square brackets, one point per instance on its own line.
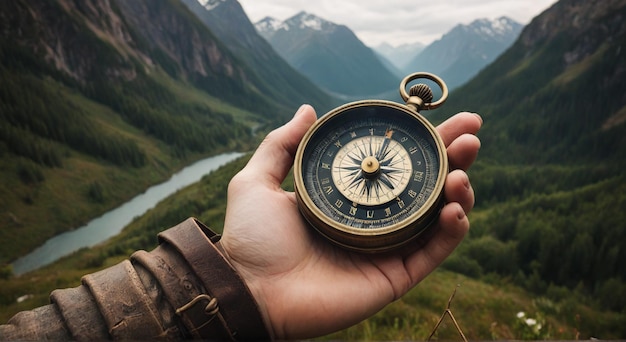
[369, 175]
[372, 170]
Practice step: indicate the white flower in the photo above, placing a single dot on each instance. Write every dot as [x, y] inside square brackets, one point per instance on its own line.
[521, 314]
[530, 321]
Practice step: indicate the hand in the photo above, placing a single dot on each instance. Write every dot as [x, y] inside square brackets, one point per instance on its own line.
[305, 286]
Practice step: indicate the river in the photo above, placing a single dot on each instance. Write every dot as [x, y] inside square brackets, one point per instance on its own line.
[112, 223]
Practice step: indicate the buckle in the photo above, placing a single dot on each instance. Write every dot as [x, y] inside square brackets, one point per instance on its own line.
[203, 318]
[210, 309]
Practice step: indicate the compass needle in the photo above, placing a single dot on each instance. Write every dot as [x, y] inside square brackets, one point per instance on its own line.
[387, 182]
[383, 147]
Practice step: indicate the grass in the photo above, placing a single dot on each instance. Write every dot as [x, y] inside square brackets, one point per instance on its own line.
[484, 311]
[485, 308]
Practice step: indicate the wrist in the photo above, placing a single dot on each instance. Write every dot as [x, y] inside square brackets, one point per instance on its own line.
[237, 307]
[252, 283]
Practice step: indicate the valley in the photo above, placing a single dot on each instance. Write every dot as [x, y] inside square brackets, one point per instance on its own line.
[95, 107]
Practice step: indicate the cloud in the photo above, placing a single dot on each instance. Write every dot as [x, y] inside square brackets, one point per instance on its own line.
[398, 21]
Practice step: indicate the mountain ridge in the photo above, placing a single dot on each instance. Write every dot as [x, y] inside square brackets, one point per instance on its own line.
[461, 52]
[537, 94]
[228, 21]
[101, 99]
[399, 56]
[329, 54]
[552, 145]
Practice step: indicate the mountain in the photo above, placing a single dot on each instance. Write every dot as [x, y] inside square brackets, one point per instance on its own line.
[557, 95]
[389, 65]
[400, 55]
[464, 50]
[228, 21]
[100, 99]
[550, 182]
[329, 54]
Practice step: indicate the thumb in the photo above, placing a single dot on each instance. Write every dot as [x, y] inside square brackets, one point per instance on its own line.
[274, 156]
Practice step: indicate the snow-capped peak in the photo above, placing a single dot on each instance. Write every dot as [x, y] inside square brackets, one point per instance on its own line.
[269, 25]
[211, 4]
[502, 25]
[494, 28]
[304, 20]
[310, 21]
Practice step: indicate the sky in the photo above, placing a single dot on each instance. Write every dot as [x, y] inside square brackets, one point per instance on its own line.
[398, 22]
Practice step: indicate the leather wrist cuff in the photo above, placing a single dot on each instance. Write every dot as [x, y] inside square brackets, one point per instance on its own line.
[226, 309]
[182, 289]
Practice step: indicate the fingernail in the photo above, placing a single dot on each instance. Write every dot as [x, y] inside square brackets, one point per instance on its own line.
[479, 117]
[466, 182]
[460, 215]
[300, 110]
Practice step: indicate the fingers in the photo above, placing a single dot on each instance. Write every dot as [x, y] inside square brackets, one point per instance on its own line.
[274, 157]
[459, 124]
[462, 151]
[453, 225]
[459, 189]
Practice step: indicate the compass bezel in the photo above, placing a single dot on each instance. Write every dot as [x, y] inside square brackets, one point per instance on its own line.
[372, 239]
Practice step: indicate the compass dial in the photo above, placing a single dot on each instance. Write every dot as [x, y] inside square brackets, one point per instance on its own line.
[372, 170]
[369, 175]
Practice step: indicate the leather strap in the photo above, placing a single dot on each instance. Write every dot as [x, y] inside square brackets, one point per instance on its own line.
[228, 303]
[129, 314]
[80, 314]
[177, 282]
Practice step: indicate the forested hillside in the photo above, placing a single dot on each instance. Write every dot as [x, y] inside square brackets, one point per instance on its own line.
[485, 307]
[100, 99]
[549, 181]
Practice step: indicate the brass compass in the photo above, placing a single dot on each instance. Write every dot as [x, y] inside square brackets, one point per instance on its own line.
[369, 175]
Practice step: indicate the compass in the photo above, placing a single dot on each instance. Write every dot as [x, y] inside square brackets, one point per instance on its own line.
[369, 175]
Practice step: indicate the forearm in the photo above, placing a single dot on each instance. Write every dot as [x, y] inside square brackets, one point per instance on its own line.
[182, 289]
